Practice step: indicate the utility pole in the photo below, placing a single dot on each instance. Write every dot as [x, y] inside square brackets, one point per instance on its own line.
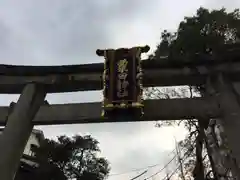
[179, 159]
[167, 174]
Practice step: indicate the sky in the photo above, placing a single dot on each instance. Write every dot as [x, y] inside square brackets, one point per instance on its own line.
[57, 32]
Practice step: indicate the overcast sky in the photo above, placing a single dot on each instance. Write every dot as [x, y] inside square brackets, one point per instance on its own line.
[43, 32]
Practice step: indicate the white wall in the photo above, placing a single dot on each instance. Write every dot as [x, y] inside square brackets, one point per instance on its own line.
[32, 140]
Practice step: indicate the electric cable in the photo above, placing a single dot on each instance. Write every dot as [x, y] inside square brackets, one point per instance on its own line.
[139, 169]
[166, 166]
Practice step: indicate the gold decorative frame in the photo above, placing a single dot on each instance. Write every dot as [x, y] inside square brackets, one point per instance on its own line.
[109, 105]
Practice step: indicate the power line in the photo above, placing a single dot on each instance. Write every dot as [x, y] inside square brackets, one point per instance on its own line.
[134, 170]
[139, 169]
[169, 176]
[148, 167]
[139, 175]
[164, 167]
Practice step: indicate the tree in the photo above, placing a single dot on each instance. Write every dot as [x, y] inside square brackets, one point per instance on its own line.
[203, 34]
[70, 158]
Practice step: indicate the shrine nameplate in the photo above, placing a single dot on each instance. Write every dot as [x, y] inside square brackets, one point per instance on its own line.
[122, 81]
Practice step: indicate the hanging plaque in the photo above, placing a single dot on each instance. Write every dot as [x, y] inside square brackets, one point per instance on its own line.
[122, 81]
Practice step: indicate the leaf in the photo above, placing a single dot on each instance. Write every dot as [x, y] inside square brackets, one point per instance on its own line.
[73, 157]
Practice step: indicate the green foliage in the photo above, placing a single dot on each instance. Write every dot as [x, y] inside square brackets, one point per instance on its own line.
[205, 33]
[71, 158]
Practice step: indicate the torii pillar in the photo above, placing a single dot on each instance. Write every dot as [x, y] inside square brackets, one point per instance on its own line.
[18, 129]
[230, 116]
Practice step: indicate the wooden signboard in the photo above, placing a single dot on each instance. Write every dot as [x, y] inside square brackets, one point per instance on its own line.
[122, 81]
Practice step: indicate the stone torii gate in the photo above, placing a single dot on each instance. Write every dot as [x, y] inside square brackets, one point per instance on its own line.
[219, 75]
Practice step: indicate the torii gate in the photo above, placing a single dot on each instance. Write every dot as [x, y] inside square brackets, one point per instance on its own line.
[34, 82]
